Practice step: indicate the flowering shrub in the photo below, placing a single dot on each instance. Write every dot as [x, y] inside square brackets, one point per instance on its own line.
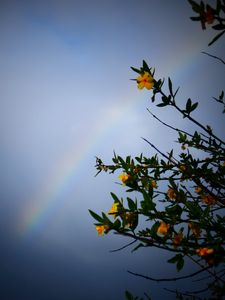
[190, 222]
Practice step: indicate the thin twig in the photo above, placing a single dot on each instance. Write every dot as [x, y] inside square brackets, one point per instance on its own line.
[170, 279]
[160, 152]
[216, 57]
[181, 293]
[121, 248]
[207, 270]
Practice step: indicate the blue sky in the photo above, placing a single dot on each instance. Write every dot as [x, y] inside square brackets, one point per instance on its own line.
[66, 97]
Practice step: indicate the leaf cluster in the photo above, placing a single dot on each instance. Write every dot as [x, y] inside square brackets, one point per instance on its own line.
[213, 16]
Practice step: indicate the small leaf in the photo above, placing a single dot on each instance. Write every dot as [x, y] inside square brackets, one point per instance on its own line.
[95, 216]
[195, 18]
[216, 38]
[221, 95]
[128, 296]
[162, 104]
[170, 86]
[180, 264]
[188, 105]
[194, 106]
[137, 247]
[219, 27]
[145, 66]
[115, 198]
[136, 70]
[131, 204]
[174, 259]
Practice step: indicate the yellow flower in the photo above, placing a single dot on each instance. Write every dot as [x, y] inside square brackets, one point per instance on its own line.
[171, 193]
[145, 81]
[177, 239]
[183, 168]
[101, 229]
[114, 209]
[208, 199]
[183, 147]
[124, 177]
[163, 228]
[195, 229]
[204, 251]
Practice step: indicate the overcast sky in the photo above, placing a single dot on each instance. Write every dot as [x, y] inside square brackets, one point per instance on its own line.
[66, 97]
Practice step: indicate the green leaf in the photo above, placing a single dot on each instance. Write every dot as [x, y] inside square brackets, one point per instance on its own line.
[179, 260]
[145, 66]
[170, 86]
[195, 6]
[106, 219]
[116, 224]
[221, 95]
[194, 106]
[136, 70]
[131, 204]
[176, 92]
[123, 164]
[219, 27]
[147, 205]
[95, 216]
[174, 211]
[195, 18]
[174, 259]
[162, 104]
[129, 296]
[137, 247]
[115, 198]
[194, 209]
[180, 264]
[188, 105]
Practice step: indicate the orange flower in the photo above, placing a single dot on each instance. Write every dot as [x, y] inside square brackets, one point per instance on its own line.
[154, 184]
[204, 251]
[198, 189]
[163, 228]
[209, 16]
[208, 199]
[171, 193]
[195, 229]
[124, 177]
[101, 229]
[145, 81]
[177, 239]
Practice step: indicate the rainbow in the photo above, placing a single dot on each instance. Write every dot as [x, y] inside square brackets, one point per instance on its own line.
[47, 200]
[43, 205]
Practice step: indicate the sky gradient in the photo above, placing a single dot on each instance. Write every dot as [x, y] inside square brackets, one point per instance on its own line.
[66, 97]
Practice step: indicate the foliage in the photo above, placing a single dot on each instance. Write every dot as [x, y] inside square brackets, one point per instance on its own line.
[208, 15]
[181, 197]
